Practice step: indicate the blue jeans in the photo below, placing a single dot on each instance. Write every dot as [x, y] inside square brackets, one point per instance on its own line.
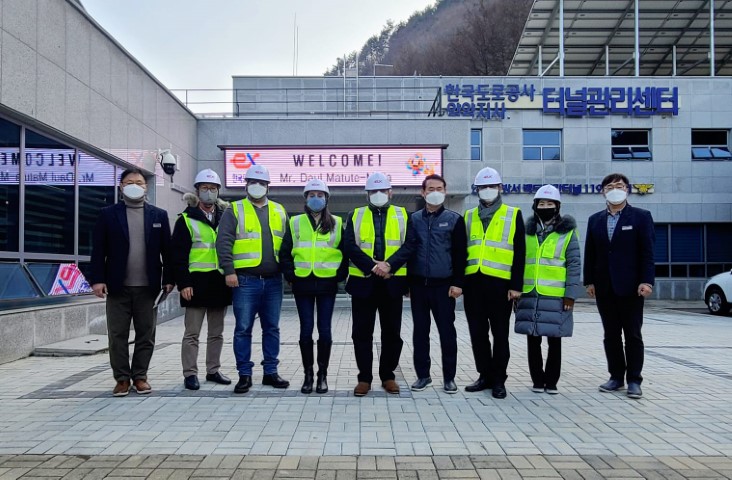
[254, 296]
[306, 309]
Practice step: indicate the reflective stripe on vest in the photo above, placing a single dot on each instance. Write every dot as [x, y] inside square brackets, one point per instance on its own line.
[546, 264]
[394, 234]
[247, 249]
[313, 251]
[491, 252]
[202, 257]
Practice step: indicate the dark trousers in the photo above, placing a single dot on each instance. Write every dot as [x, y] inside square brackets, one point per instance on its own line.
[131, 304]
[544, 376]
[488, 311]
[306, 305]
[622, 316]
[435, 299]
[364, 319]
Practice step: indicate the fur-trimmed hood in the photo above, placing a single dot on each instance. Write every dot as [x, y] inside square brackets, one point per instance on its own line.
[192, 200]
[566, 224]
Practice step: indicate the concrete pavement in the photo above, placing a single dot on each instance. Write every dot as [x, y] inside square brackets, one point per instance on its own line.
[60, 410]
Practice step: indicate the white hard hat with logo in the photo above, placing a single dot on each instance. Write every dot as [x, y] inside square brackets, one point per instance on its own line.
[377, 181]
[487, 176]
[548, 192]
[316, 185]
[207, 176]
[257, 172]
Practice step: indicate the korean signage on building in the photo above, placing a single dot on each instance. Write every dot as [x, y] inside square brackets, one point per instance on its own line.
[573, 188]
[338, 166]
[492, 101]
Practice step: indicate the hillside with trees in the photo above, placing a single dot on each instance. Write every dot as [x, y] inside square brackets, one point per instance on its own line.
[452, 37]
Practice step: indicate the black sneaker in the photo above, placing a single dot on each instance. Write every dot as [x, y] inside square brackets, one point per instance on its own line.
[634, 390]
[274, 380]
[537, 388]
[611, 385]
[552, 390]
[421, 384]
[244, 384]
[450, 387]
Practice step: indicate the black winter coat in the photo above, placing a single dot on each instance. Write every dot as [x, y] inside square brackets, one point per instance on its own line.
[209, 288]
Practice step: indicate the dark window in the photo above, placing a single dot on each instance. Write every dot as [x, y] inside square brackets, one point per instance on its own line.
[686, 243]
[710, 145]
[630, 145]
[9, 185]
[476, 144]
[719, 242]
[542, 144]
[49, 195]
[14, 283]
[96, 190]
[661, 245]
[692, 250]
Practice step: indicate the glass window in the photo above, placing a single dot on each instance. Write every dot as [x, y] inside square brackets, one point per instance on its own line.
[719, 239]
[49, 195]
[476, 144]
[97, 189]
[630, 145]
[660, 255]
[686, 243]
[14, 283]
[542, 144]
[59, 278]
[710, 145]
[9, 185]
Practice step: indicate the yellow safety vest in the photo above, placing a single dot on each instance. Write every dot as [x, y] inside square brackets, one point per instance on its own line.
[491, 251]
[546, 264]
[313, 251]
[202, 257]
[365, 235]
[247, 249]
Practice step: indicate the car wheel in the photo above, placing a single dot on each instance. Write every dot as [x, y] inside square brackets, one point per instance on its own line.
[716, 301]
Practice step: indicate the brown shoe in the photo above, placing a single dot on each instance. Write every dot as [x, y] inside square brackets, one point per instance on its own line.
[390, 386]
[361, 389]
[142, 387]
[121, 389]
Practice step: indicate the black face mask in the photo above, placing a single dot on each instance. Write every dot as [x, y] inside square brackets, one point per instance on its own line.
[546, 214]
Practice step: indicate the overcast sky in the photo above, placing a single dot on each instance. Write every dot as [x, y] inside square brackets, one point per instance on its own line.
[201, 44]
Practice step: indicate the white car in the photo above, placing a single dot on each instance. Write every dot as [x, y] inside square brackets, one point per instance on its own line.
[718, 293]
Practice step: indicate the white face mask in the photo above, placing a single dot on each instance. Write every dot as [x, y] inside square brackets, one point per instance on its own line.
[256, 191]
[435, 198]
[488, 194]
[378, 199]
[616, 196]
[133, 192]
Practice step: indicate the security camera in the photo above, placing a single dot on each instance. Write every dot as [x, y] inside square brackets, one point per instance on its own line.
[168, 162]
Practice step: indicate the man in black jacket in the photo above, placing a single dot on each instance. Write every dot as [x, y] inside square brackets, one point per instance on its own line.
[373, 237]
[619, 273]
[203, 291]
[436, 272]
[130, 255]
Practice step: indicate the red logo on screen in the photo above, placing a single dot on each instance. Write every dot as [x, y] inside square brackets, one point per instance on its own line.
[244, 160]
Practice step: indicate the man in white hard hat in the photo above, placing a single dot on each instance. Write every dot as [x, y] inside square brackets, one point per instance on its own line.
[373, 242]
[203, 291]
[248, 244]
[619, 272]
[494, 277]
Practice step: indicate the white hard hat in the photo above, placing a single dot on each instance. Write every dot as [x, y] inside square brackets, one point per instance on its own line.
[257, 172]
[207, 176]
[548, 192]
[487, 176]
[377, 181]
[316, 185]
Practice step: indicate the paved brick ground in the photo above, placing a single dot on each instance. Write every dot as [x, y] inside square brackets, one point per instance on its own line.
[57, 417]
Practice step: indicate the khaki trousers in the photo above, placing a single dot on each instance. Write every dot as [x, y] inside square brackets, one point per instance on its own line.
[189, 348]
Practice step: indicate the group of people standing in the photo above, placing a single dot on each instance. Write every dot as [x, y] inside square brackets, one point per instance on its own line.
[237, 254]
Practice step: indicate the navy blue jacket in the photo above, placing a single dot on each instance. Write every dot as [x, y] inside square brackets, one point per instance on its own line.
[111, 244]
[619, 265]
[440, 247]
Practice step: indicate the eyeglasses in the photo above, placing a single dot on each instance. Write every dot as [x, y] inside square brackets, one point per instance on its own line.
[614, 186]
[139, 184]
[208, 189]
